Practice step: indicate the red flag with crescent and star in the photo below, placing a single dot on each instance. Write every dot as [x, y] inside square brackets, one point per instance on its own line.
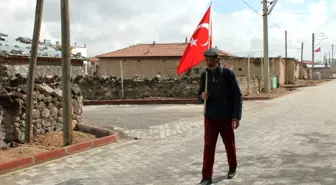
[200, 41]
[318, 50]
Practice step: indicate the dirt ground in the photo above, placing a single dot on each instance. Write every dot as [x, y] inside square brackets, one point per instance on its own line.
[42, 143]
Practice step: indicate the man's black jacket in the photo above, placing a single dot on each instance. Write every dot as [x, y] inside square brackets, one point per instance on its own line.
[225, 98]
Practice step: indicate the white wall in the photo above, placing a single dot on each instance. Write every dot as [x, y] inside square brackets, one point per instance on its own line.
[82, 50]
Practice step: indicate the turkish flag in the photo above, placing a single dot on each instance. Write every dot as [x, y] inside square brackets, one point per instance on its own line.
[318, 50]
[200, 41]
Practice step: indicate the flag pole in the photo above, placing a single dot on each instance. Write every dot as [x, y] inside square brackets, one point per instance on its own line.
[209, 45]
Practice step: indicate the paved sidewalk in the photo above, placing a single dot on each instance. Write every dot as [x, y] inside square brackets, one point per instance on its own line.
[290, 140]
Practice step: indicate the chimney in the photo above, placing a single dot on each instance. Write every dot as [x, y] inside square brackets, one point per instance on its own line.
[58, 44]
[84, 45]
[154, 42]
[186, 40]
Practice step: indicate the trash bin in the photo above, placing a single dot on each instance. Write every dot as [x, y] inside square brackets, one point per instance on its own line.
[275, 82]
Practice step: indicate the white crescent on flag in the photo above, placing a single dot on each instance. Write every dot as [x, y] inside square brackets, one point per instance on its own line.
[202, 25]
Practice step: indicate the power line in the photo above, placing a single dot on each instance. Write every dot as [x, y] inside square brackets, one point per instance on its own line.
[258, 51]
[250, 7]
[321, 36]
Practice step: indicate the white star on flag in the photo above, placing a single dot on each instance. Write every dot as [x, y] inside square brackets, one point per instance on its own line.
[193, 42]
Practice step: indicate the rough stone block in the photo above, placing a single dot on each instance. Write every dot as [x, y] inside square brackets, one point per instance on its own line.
[45, 89]
[45, 113]
[38, 125]
[3, 145]
[47, 99]
[36, 114]
[59, 126]
[41, 105]
[40, 97]
[51, 105]
[74, 123]
[46, 123]
[60, 119]
[19, 135]
[54, 112]
[75, 89]
[51, 129]
[22, 88]
[58, 93]
[2, 135]
[60, 112]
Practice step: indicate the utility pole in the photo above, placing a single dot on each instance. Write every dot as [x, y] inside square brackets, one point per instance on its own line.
[265, 14]
[262, 65]
[313, 55]
[329, 60]
[286, 44]
[66, 74]
[314, 36]
[332, 54]
[248, 74]
[32, 66]
[301, 51]
[266, 59]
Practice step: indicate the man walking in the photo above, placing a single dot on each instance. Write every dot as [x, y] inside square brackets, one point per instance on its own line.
[222, 113]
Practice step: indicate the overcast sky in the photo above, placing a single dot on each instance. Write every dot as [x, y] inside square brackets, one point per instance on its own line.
[106, 25]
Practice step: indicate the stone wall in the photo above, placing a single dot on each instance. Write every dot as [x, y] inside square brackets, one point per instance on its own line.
[109, 88]
[47, 111]
[44, 70]
[256, 84]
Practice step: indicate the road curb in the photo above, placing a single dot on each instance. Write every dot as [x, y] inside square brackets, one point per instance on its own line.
[271, 97]
[16, 164]
[141, 101]
[170, 101]
[306, 85]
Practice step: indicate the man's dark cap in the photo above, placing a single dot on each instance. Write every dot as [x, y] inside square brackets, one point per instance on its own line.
[212, 53]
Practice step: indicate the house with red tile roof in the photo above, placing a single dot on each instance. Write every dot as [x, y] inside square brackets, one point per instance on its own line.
[146, 60]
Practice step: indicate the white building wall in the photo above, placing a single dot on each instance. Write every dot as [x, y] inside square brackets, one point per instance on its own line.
[84, 52]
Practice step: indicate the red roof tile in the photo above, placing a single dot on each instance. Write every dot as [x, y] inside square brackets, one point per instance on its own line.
[93, 59]
[153, 50]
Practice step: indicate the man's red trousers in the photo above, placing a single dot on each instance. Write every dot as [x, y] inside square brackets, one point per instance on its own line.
[212, 128]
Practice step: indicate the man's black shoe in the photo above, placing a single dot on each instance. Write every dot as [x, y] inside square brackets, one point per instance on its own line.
[206, 182]
[232, 173]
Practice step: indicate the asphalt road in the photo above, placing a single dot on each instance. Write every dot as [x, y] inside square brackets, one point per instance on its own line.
[138, 116]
